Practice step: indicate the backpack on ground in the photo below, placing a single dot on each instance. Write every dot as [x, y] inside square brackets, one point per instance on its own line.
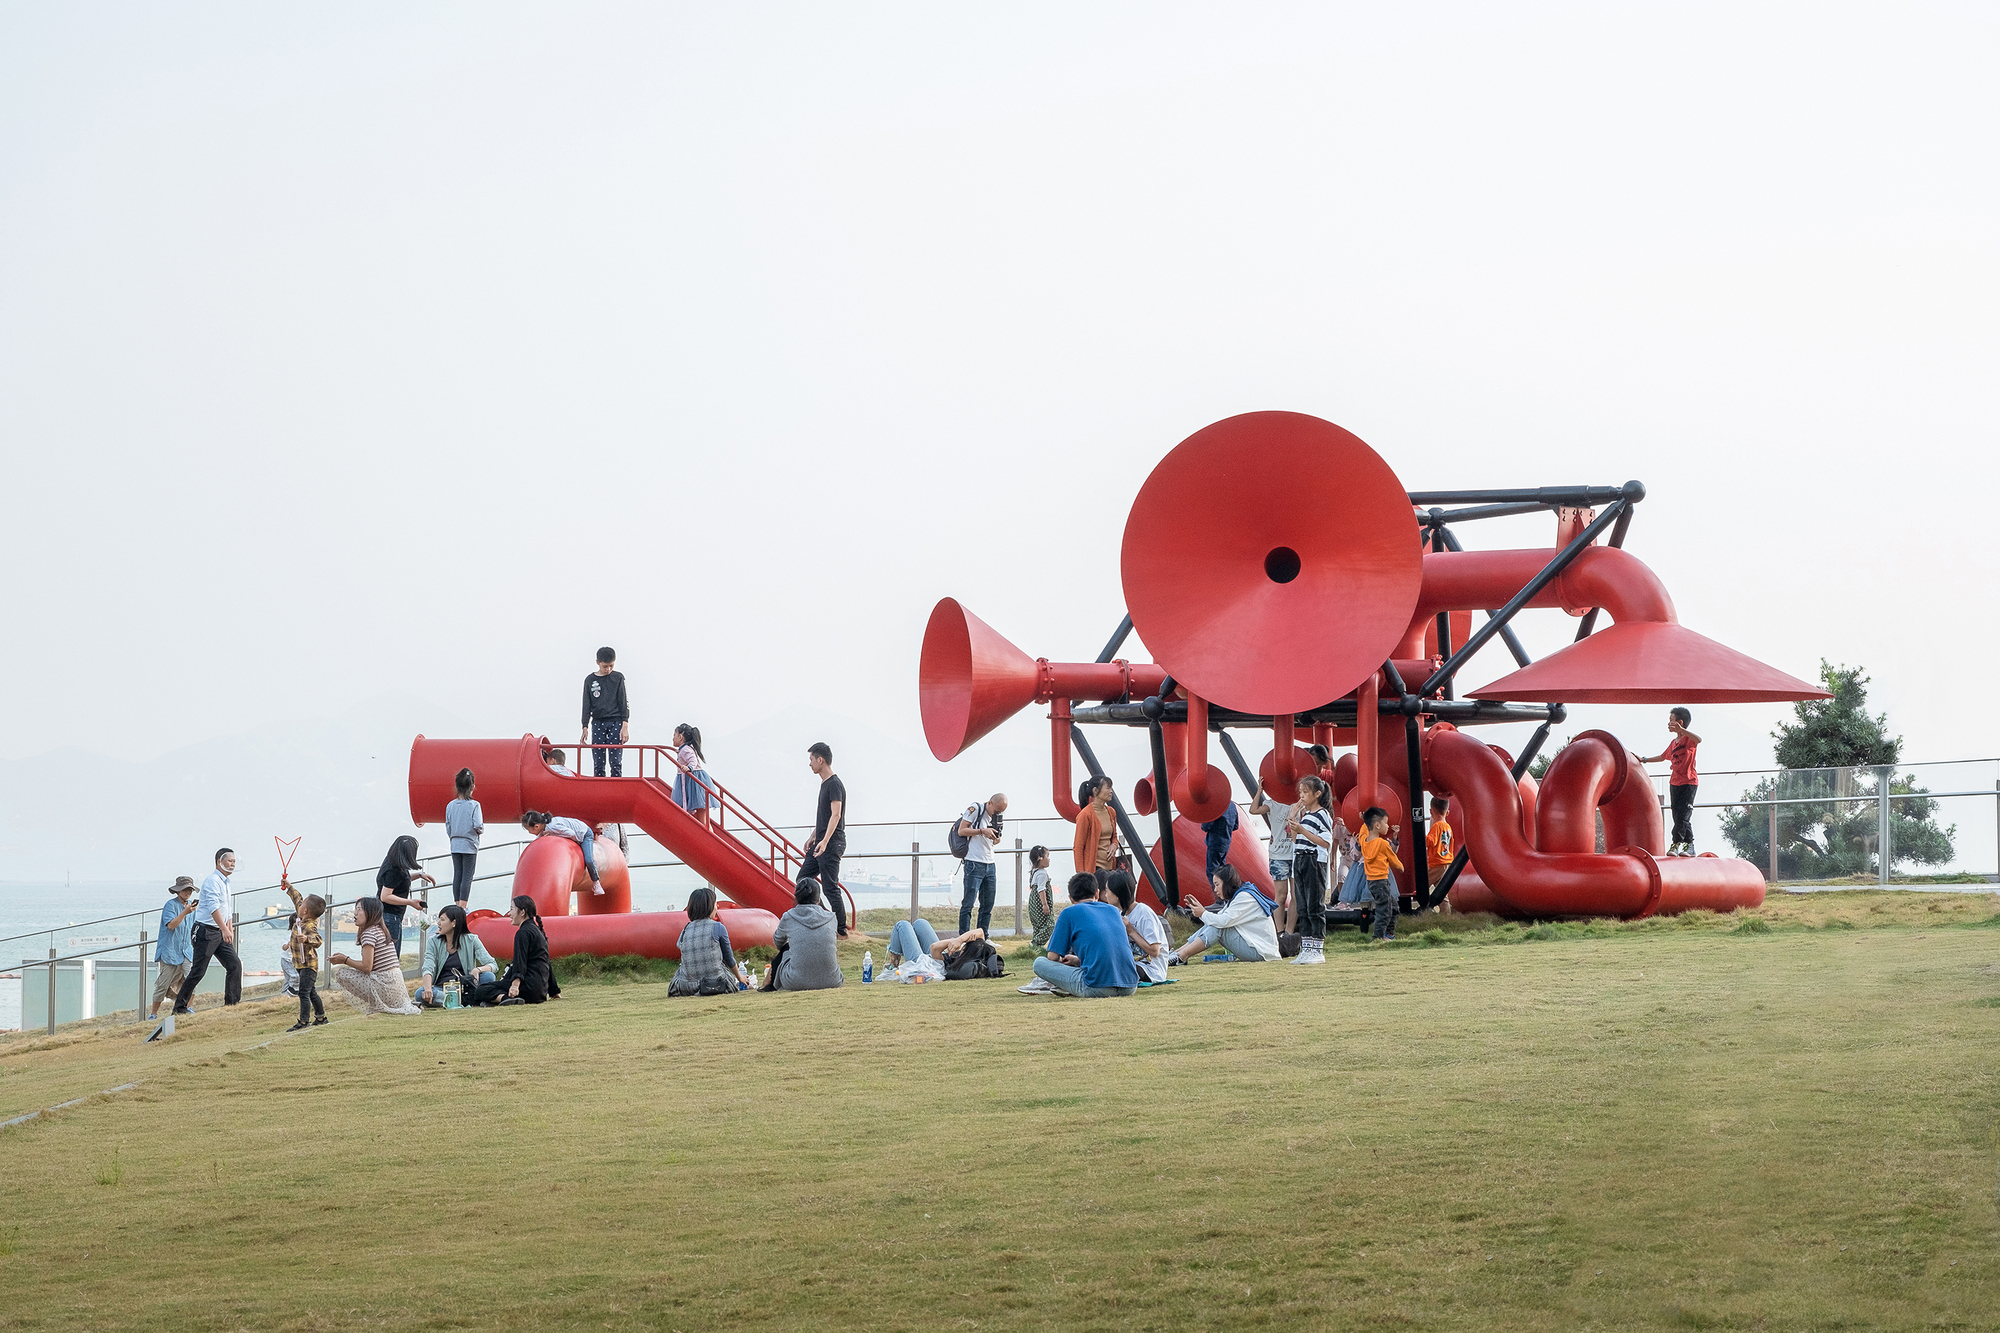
[976, 961]
[1288, 945]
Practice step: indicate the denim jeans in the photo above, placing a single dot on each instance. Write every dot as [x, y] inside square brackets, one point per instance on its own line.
[1230, 938]
[912, 939]
[393, 923]
[981, 881]
[1069, 980]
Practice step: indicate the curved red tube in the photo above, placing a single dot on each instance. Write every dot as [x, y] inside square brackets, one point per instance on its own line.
[1605, 576]
[1059, 770]
[1625, 881]
[1596, 772]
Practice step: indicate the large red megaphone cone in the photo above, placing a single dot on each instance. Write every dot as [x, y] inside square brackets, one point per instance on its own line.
[970, 679]
[1266, 601]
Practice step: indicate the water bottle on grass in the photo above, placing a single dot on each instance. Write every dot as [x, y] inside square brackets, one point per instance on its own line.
[867, 966]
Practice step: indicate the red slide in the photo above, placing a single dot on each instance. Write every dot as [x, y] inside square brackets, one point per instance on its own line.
[512, 777]
[1564, 875]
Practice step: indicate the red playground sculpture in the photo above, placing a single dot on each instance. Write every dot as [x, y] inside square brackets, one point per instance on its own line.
[1345, 622]
[755, 883]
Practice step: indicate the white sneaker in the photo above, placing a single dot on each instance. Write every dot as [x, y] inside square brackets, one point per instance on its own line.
[1311, 954]
[1037, 987]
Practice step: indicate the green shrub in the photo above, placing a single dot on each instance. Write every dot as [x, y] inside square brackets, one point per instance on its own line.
[1755, 925]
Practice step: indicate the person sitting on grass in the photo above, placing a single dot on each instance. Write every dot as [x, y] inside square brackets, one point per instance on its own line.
[963, 957]
[302, 949]
[456, 954]
[539, 824]
[708, 964]
[1239, 921]
[1088, 956]
[807, 958]
[1143, 927]
[530, 978]
[373, 982]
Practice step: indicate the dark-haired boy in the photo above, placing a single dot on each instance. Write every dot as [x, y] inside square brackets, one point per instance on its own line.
[1378, 859]
[1088, 956]
[607, 715]
[1439, 847]
[1682, 780]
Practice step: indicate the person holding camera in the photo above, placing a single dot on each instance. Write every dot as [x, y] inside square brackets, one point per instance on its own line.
[980, 827]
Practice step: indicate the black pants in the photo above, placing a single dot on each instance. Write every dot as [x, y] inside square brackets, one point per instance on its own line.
[604, 731]
[461, 875]
[208, 943]
[309, 1005]
[1682, 800]
[1309, 892]
[1382, 920]
[826, 869]
[483, 989]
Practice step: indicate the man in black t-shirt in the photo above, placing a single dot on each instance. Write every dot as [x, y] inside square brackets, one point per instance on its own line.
[607, 716]
[829, 839]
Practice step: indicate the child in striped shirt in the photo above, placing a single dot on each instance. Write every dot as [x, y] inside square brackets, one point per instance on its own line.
[1311, 827]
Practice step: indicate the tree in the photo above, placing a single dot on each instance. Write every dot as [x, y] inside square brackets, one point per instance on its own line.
[1836, 750]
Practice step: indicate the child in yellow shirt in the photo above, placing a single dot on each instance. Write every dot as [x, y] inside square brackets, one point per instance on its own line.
[1378, 859]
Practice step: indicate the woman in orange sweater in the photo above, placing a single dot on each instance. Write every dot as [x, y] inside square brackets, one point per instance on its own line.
[1378, 857]
[1096, 845]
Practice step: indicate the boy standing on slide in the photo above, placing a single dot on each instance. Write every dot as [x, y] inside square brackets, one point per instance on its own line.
[607, 716]
[1681, 779]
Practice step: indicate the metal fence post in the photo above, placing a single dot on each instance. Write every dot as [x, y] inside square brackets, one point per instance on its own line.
[1774, 836]
[913, 879]
[1882, 824]
[1017, 886]
[52, 990]
[142, 974]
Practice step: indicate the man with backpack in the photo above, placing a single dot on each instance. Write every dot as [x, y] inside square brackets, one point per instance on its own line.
[973, 837]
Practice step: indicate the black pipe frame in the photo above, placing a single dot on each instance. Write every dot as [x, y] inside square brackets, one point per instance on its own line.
[1420, 870]
[1125, 825]
[1550, 572]
[1163, 804]
[1444, 618]
[1547, 497]
[1459, 712]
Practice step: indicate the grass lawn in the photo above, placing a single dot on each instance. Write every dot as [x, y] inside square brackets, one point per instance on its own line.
[1785, 1119]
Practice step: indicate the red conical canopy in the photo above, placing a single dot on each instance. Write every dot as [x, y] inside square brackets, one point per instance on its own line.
[970, 679]
[1649, 662]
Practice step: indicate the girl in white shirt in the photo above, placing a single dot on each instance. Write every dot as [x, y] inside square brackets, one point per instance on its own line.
[1142, 926]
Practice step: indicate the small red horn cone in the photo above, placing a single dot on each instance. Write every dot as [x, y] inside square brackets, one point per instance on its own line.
[970, 679]
[1262, 602]
[1649, 662]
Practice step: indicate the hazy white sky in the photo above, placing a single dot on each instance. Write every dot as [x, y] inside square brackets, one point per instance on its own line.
[357, 348]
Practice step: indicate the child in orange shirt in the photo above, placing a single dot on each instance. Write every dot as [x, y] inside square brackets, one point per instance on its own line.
[1441, 847]
[1378, 858]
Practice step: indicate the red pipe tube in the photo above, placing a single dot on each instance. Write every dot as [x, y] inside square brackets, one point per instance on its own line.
[1194, 759]
[1368, 746]
[1601, 576]
[1594, 773]
[1096, 680]
[1625, 881]
[1285, 766]
[1059, 771]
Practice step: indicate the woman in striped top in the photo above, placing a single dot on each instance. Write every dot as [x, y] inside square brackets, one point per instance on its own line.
[373, 983]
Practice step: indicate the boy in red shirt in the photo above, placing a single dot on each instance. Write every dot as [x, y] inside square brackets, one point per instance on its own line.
[1681, 779]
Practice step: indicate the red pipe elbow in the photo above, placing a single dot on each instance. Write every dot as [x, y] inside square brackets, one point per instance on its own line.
[1059, 771]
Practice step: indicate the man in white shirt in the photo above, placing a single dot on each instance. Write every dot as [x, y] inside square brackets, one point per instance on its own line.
[214, 935]
[980, 827]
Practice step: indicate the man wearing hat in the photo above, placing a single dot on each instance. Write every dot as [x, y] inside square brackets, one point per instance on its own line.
[176, 946]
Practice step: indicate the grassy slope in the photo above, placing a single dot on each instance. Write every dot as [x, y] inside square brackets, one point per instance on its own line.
[1686, 1125]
